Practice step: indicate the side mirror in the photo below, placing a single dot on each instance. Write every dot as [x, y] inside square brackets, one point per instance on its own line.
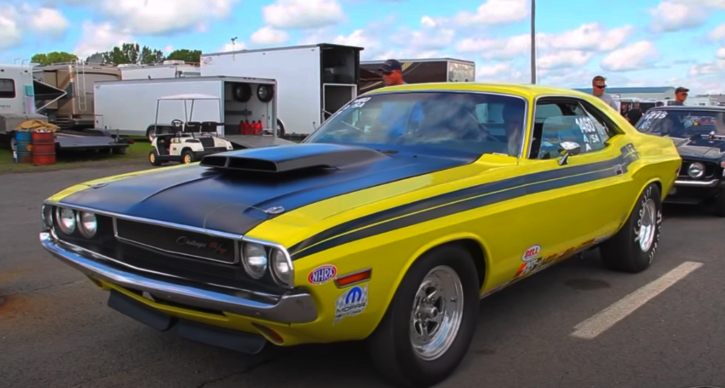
[567, 149]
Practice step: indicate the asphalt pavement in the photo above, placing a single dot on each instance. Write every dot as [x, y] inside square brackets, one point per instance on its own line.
[664, 328]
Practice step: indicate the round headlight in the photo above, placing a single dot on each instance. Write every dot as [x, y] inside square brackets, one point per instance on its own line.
[254, 260]
[87, 224]
[66, 220]
[696, 170]
[281, 268]
[46, 215]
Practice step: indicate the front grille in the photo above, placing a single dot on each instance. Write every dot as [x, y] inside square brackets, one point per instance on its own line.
[178, 242]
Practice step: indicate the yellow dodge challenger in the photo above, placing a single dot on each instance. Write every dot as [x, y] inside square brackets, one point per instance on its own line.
[387, 224]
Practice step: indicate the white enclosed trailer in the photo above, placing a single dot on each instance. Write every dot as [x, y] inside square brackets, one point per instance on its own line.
[313, 81]
[130, 106]
[169, 69]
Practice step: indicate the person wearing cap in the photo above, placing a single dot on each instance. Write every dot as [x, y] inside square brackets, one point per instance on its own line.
[598, 86]
[392, 72]
[680, 96]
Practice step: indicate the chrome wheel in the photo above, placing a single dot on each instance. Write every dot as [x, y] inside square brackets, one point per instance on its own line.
[437, 313]
[647, 225]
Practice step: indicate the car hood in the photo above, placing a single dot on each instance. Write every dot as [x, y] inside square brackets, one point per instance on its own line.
[235, 191]
[700, 147]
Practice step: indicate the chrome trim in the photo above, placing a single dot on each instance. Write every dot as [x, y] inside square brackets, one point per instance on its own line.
[288, 308]
[274, 246]
[237, 256]
[710, 183]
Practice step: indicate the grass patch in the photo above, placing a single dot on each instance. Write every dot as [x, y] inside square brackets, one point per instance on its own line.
[135, 153]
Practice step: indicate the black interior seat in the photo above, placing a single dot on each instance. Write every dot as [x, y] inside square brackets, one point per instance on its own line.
[192, 126]
[210, 126]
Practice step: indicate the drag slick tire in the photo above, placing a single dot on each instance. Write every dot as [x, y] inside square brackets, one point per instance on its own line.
[633, 248]
[430, 322]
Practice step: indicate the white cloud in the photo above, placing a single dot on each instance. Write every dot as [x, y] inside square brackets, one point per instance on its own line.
[675, 15]
[9, 29]
[100, 38]
[506, 48]
[268, 36]
[232, 47]
[499, 72]
[168, 49]
[718, 33]
[720, 53]
[588, 36]
[159, 17]
[635, 56]
[303, 14]
[494, 12]
[564, 59]
[48, 21]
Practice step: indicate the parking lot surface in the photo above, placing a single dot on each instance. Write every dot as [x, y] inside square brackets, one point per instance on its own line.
[573, 325]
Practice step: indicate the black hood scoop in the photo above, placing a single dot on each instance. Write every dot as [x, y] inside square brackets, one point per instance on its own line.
[291, 158]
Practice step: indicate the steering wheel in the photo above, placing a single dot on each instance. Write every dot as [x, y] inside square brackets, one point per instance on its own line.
[177, 123]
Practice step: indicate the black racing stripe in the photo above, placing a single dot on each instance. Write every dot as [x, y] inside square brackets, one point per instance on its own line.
[457, 195]
[478, 196]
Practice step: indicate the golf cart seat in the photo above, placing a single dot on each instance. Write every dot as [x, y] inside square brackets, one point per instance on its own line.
[210, 126]
[192, 126]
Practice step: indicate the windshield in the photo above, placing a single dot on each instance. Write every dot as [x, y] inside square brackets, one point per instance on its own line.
[467, 122]
[682, 123]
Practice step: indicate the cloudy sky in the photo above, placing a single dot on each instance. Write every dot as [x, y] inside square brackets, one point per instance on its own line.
[631, 42]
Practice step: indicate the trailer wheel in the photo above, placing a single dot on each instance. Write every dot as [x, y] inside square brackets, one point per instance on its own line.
[242, 92]
[265, 93]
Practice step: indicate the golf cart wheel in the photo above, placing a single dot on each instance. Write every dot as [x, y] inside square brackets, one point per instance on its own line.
[187, 157]
[154, 158]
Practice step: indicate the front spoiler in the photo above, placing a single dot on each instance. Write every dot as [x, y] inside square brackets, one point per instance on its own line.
[288, 308]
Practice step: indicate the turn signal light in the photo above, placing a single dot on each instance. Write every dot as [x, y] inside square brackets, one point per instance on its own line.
[353, 278]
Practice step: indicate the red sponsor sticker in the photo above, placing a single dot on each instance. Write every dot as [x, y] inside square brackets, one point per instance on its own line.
[531, 253]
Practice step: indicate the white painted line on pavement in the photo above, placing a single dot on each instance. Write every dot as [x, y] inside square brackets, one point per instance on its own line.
[605, 319]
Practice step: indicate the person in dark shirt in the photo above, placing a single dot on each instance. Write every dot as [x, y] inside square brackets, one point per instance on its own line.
[680, 96]
[634, 114]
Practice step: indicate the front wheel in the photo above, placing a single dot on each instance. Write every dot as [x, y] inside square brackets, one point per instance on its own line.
[720, 204]
[431, 320]
[633, 248]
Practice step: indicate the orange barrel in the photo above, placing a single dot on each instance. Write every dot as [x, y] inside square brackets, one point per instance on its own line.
[43, 148]
[23, 147]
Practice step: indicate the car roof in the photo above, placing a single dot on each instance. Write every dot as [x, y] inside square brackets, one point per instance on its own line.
[522, 90]
[691, 107]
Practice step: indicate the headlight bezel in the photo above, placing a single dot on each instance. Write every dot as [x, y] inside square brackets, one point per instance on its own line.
[59, 220]
[271, 249]
[80, 226]
[256, 275]
[695, 166]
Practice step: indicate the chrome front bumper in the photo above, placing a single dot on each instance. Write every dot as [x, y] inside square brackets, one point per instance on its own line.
[684, 183]
[288, 308]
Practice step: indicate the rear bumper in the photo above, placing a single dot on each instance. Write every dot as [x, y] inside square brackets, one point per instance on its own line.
[288, 308]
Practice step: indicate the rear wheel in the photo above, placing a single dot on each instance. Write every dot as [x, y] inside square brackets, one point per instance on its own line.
[430, 322]
[633, 248]
[187, 157]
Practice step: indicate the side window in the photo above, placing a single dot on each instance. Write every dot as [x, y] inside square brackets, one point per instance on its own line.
[604, 127]
[560, 121]
[7, 88]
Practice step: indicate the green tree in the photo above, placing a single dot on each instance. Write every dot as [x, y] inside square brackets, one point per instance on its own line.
[53, 57]
[133, 53]
[193, 56]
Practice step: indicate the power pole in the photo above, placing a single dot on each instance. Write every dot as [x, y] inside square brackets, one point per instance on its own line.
[533, 42]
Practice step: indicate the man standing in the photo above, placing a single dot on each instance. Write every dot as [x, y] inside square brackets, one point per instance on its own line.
[680, 96]
[634, 114]
[392, 72]
[598, 86]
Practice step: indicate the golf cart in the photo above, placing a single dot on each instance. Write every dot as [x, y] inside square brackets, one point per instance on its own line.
[186, 141]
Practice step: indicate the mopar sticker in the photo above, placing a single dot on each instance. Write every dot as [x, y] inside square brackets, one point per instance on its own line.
[322, 274]
[351, 302]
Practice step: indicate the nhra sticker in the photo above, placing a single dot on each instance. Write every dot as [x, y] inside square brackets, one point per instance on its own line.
[322, 274]
[352, 302]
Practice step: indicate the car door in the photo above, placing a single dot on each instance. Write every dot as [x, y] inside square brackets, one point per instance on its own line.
[571, 205]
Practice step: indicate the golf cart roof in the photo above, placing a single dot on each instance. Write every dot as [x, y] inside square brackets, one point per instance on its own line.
[193, 96]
